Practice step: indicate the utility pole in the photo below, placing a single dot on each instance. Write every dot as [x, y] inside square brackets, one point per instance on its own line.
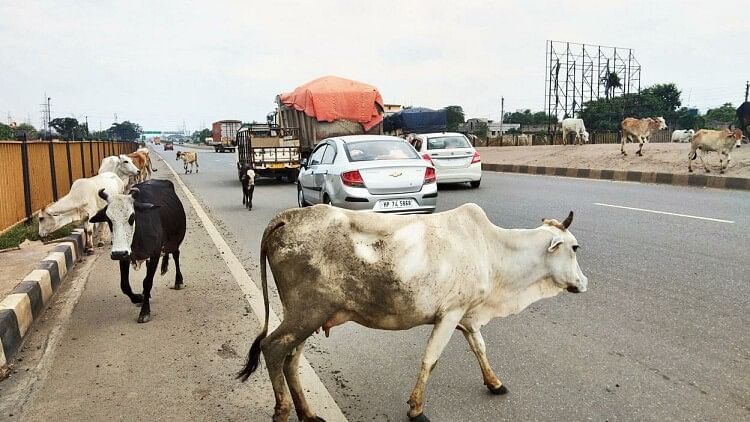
[115, 117]
[747, 89]
[502, 116]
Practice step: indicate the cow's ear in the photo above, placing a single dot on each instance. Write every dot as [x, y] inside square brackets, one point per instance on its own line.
[555, 244]
[144, 206]
[99, 217]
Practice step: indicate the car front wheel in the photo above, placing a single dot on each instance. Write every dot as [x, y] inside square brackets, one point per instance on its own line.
[476, 183]
[301, 197]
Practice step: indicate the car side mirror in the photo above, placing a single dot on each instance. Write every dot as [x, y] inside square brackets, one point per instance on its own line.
[303, 162]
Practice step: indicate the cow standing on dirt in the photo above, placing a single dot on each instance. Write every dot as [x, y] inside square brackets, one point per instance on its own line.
[720, 141]
[455, 270]
[146, 223]
[188, 158]
[577, 127]
[639, 130]
[248, 187]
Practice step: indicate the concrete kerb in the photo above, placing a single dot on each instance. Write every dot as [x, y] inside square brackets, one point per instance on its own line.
[697, 180]
[27, 300]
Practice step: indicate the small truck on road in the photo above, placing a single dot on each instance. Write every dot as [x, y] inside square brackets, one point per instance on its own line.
[224, 134]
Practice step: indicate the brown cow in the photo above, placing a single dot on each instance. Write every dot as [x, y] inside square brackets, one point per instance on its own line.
[639, 130]
[721, 141]
[142, 160]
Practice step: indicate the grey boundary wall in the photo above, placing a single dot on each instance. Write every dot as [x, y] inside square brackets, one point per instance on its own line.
[27, 301]
[698, 180]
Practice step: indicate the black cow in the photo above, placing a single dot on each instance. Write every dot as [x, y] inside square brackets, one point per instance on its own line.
[147, 222]
[743, 117]
[248, 187]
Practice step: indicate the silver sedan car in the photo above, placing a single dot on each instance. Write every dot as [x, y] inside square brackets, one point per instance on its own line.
[368, 172]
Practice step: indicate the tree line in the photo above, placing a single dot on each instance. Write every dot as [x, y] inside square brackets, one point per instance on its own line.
[70, 129]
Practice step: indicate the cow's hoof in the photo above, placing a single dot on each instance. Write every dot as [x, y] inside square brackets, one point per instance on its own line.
[89, 251]
[419, 418]
[721, 172]
[100, 244]
[137, 298]
[144, 318]
[179, 286]
[690, 170]
[313, 419]
[498, 391]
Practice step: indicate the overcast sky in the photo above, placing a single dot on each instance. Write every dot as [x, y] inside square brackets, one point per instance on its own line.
[160, 63]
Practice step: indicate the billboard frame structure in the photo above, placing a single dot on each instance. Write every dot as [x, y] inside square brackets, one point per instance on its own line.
[576, 73]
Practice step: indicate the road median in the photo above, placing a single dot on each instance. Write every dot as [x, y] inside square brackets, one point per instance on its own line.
[665, 165]
[26, 301]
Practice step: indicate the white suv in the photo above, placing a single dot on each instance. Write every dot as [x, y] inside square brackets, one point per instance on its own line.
[455, 160]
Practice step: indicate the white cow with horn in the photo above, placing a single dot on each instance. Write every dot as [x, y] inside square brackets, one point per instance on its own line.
[454, 270]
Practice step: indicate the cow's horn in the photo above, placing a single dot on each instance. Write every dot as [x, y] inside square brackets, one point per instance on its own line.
[568, 220]
[103, 195]
[134, 192]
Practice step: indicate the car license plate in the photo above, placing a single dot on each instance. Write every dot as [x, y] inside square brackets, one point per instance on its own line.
[276, 165]
[396, 204]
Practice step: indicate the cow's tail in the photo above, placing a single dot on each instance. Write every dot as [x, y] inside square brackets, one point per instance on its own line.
[164, 263]
[253, 356]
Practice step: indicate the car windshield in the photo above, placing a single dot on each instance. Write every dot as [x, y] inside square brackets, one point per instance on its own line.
[447, 142]
[379, 150]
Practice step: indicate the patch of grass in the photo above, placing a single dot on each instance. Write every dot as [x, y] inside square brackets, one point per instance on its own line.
[15, 236]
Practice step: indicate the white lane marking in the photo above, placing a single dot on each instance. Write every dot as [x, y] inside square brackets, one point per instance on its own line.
[318, 395]
[666, 213]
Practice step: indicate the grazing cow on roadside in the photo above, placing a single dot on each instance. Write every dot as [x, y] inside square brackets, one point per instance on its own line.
[639, 130]
[142, 160]
[248, 187]
[682, 135]
[120, 165]
[455, 270]
[743, 119]
[80, 204]
[720, 141]
[574, 126]
[188, 158]
[150, 167]
[146, 223]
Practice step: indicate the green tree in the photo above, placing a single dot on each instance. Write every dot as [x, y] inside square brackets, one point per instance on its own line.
[526, 117]
[720, 116]
[658, 100]
[125, 131]
[454, 116]
[68, 128]
[482, 130]
[611, 81]
[199, 135]
[101, 135]
[6, 132]
[29, 130]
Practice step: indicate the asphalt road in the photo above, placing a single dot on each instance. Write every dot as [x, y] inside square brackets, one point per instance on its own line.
[662, 333]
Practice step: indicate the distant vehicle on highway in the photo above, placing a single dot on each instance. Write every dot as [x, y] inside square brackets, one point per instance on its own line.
[168, 146]
[367, 172]
[455, 160]
[224, 135]
[268, 150]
